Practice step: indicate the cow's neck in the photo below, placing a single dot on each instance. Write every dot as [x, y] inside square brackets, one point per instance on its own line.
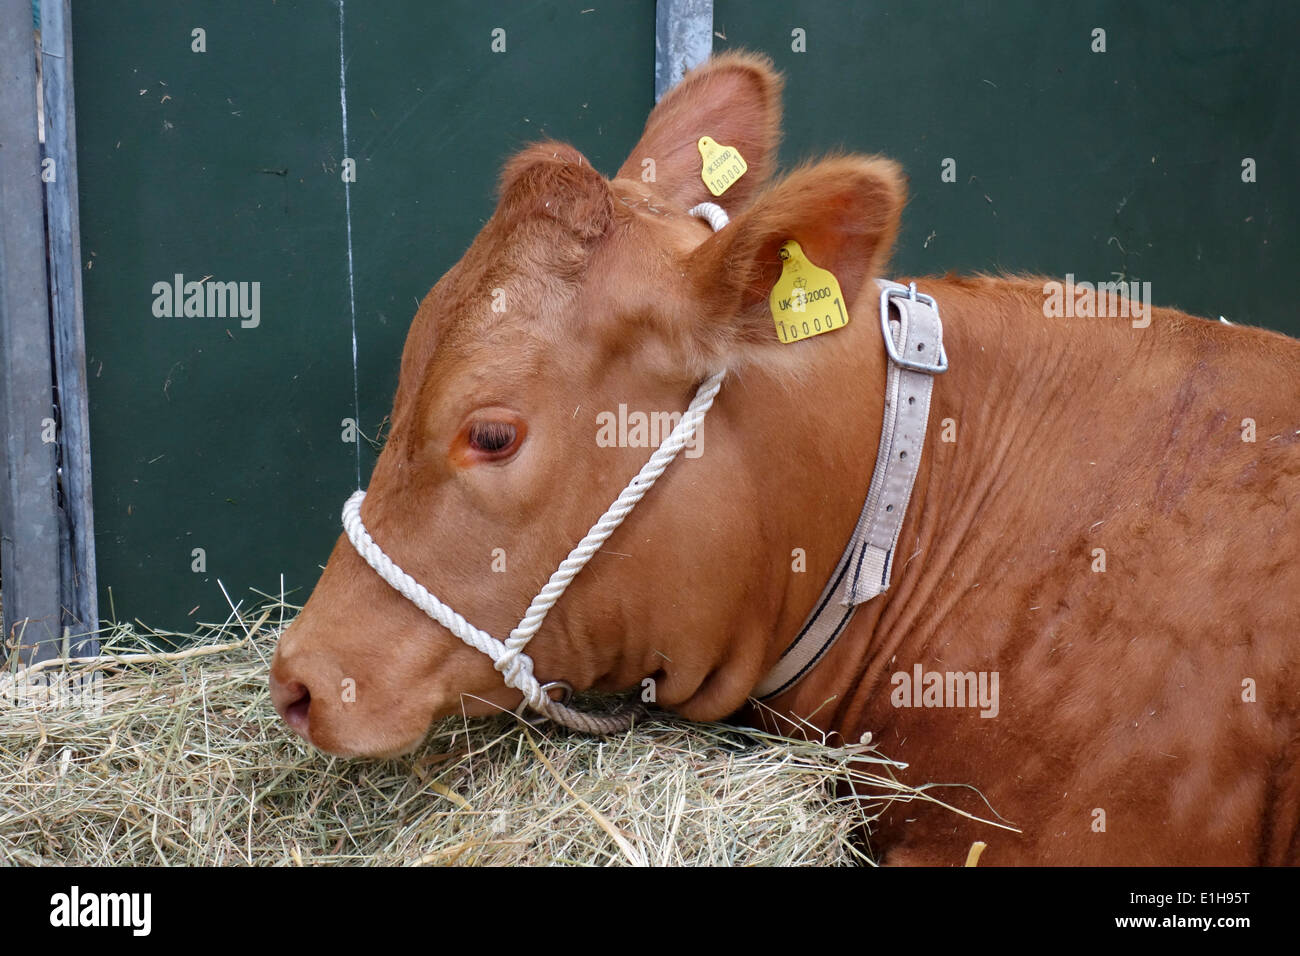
[1003, 409]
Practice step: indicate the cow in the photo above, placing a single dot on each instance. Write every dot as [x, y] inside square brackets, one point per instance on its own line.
[1090, 627]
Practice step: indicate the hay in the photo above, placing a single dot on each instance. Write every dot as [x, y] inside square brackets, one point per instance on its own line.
[187, 763]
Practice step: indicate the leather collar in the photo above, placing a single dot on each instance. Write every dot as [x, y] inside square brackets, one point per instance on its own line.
[913, 337]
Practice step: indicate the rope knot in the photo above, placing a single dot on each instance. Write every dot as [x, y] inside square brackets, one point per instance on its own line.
[516, 668]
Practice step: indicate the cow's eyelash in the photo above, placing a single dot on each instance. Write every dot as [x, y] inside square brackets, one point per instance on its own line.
[492, 436]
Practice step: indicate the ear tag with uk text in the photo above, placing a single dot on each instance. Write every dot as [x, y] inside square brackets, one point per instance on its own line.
[723, 165]
[806, 300]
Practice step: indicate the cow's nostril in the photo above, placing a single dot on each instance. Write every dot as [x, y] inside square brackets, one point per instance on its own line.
[296, 711]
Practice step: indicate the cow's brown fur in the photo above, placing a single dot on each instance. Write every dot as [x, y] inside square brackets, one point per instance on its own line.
[1120, 691]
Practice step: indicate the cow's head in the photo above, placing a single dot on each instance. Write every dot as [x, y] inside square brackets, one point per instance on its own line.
[581, 295]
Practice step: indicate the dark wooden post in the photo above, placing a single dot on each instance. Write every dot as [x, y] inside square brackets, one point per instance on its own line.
[29, 515]
[79, 583]
[47, 562]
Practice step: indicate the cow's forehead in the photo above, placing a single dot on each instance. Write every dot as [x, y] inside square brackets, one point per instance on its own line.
[516, 278]
[516, 291]
[494, 312]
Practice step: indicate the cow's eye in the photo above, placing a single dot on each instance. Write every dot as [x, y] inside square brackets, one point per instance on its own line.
[493, 438]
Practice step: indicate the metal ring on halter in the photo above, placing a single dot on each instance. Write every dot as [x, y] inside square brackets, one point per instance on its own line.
[566, 690]
[566, 694]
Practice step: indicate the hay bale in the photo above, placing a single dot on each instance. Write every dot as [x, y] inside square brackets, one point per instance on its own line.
[187, 763]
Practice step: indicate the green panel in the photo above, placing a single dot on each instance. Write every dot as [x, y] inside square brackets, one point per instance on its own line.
[430, 138]
[207, 434]
[1127, 162]
[226, 163]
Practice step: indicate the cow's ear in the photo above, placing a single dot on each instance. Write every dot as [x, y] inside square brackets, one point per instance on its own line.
[843, 212]
[735, 100]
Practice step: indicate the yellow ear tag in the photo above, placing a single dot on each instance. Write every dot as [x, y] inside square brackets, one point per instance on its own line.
[806, 300]
[723, 165]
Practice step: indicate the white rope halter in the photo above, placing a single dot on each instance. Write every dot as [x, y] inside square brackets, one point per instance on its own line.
[508, 656]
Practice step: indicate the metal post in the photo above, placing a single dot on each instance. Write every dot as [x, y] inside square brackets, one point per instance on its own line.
[29, 516]
[80, 584]
[683, 39]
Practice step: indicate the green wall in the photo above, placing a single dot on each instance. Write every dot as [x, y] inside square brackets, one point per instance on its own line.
[1127, 162]
[226, 163]
[206, 434]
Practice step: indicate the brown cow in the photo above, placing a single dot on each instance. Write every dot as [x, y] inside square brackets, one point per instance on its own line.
[1104, 522]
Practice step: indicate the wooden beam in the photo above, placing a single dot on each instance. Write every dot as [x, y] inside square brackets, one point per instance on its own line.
[29, 517]
[79, 581]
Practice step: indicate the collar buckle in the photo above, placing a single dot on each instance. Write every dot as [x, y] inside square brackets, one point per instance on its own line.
[910, 293]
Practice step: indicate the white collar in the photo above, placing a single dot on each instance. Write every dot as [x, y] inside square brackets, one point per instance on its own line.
[914, 343]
